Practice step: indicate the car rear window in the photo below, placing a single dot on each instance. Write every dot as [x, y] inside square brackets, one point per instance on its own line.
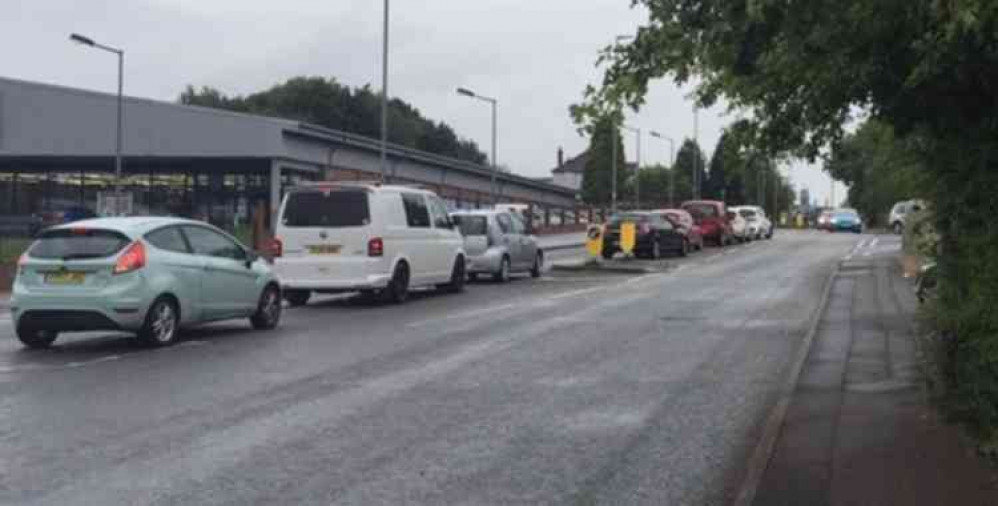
[472, 225]
[78, 243]
[702, 210]
[747, 213]
[637, 218]
[331, 209]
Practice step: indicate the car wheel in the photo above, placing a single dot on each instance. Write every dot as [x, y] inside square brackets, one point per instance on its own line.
[397, 290]
[535, 271]
[457, 277]
[36, 339]
[162, 323]
[502, 275]
[297, 297]
[268, 310]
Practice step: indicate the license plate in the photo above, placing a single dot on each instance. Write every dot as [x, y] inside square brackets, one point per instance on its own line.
[325, 249]
[65, 278]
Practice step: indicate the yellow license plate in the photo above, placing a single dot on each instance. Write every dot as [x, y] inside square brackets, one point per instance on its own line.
[325, 249]
[65, 278]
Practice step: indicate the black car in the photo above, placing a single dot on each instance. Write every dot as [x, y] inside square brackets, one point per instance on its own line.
[655, 236]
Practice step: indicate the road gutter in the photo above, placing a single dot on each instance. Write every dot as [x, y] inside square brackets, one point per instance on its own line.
[774, 422]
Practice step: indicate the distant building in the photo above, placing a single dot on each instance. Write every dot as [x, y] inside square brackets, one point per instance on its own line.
[569, 172]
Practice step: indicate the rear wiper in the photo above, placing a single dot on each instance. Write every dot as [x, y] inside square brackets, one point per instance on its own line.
[80, 256]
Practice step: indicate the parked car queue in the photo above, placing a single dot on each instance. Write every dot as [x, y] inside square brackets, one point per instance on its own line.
[154, 276]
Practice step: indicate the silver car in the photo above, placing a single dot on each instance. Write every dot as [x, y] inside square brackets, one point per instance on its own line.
[497, 244]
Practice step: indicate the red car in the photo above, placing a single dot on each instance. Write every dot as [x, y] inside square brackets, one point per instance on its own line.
[686, 224]
[712, 217]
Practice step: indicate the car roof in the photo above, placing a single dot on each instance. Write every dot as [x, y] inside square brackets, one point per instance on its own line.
[371, 186]
[131, 224]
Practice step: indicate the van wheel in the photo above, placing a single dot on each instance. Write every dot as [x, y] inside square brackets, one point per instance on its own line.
[535, 271]
[457, 277]
[36, 339]
[397, 290]
[502, 275]
[268, 310]
[162, 323]
[297, 297]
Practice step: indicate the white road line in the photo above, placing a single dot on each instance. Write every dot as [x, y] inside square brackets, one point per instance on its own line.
[460, 316]
[94, 361]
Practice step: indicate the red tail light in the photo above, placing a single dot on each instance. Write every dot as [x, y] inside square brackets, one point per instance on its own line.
[133, 259]
[376, 247]
[276, 248]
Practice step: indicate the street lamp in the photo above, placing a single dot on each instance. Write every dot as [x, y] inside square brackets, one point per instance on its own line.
[672, 163]
[384, 96]
[86, 41]
[495, 164]
[637, 169]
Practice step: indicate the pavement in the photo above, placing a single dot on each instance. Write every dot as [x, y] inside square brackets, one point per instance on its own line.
[562, 241]
[859, 429]
[573, 388]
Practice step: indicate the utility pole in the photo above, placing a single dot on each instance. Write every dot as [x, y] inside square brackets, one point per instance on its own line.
[696, 153]
[613, 168]
[384, 96]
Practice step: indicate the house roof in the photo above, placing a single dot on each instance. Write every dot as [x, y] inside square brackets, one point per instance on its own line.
[577, 165]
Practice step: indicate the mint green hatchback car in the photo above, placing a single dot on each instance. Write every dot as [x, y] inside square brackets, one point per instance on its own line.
[150, 276]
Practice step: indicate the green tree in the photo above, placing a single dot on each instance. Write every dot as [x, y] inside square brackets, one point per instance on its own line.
[654, 186]
[327, 103]
[927, 69]
[689, 156]
[597, 180]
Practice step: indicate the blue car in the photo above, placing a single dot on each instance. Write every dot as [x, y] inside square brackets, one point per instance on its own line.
[149, 276]
[845, 220]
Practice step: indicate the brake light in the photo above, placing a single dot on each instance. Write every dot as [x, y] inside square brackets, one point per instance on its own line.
[133, 259]
[276, 248]
[376, 247]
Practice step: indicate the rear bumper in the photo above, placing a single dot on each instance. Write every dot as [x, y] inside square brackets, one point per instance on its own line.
[66, 320]
[486, 263]
[333, 275]
[110, 309]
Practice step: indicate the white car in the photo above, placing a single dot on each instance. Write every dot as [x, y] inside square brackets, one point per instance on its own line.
[365, 237]
[900, 213]
[739, 225]
[758, 225]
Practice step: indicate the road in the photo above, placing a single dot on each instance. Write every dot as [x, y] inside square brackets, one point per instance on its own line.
[576, 388]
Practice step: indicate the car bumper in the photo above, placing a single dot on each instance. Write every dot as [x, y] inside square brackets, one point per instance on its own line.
[486, 263]
[333, 275]
[118, 308]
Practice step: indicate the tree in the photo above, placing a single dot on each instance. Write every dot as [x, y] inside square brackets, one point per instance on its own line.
[927, 69]
[597, 180]
[332, 105]
[689, 156]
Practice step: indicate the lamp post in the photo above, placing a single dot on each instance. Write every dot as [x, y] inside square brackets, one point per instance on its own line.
[86, 41]
[495, 163]
[384, 96]
[637, 169]
[672, 163]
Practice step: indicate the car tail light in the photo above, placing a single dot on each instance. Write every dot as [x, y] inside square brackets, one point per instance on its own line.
[275, 247]
[376, 247]
[133, 259]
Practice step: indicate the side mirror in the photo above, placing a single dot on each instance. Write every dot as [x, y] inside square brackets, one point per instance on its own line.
[251, 258]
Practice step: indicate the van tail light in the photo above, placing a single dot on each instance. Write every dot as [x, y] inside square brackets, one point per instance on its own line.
[133, 259]
[275, 247]
[376, 247]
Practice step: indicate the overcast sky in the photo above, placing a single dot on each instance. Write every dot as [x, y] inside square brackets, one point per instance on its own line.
[534, 56]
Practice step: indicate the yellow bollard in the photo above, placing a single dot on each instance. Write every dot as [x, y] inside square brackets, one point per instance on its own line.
[628, 237]
[594, 240]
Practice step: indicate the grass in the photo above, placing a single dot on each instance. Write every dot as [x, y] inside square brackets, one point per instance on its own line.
[12, 247]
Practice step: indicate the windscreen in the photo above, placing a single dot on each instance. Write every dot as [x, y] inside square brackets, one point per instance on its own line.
[329, 209]
[70, 244]
[702, 210]
[471, 225]
[747, 214]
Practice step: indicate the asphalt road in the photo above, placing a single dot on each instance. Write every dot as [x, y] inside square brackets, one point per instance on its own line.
[576, 388]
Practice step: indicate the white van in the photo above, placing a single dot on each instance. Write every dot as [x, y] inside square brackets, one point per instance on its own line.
[366, 237]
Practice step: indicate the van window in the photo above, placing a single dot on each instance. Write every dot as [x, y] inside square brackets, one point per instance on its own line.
[330, 209]
[441, 216]
[518, 225]
[416, 213]
[505, 223]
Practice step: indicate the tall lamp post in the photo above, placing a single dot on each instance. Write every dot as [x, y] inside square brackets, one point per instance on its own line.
[86, 41]
[672, 163]
[495, 163]
[637, 169]
[384, 96]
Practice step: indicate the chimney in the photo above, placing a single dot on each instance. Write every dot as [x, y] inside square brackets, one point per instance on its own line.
[561, 157]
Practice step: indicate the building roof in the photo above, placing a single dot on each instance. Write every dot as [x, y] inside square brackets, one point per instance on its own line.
[577, 165]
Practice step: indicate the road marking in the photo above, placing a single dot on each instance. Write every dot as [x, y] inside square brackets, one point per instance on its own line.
[459, 316]
[94, 361]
